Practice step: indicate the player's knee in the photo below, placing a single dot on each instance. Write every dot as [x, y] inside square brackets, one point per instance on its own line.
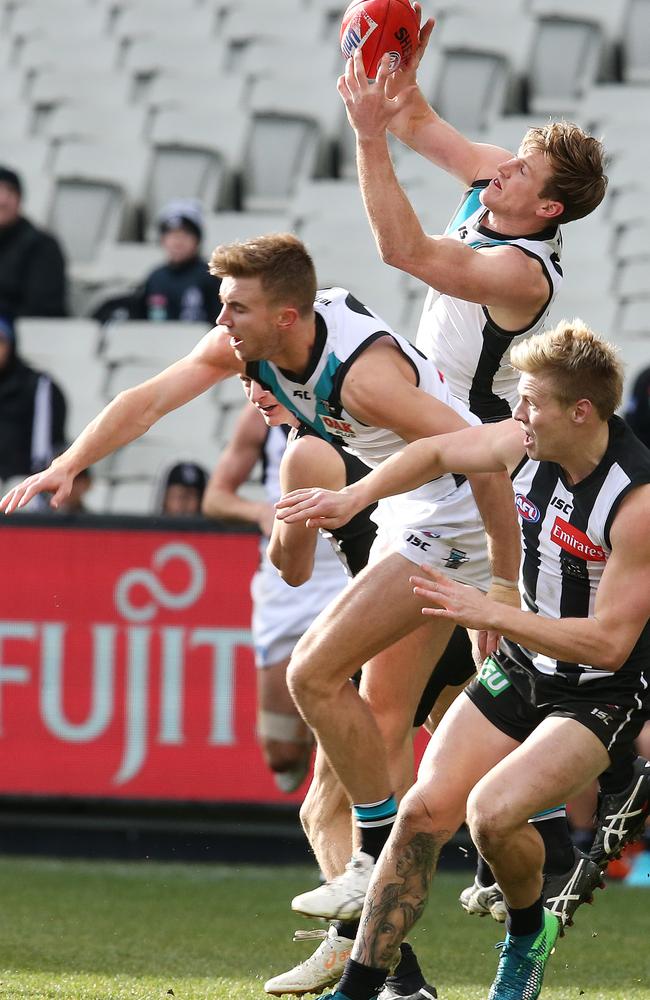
[306, 684]
[487, 818]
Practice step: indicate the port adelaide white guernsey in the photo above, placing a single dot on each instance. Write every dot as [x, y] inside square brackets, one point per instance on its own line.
[344, 329]
[566, 544]
[462, 339]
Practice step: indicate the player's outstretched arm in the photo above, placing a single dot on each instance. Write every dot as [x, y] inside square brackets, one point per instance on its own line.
[604, 641]
[128, 417]
[488, 448]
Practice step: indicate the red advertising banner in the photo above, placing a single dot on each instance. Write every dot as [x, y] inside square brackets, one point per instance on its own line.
[125, 665]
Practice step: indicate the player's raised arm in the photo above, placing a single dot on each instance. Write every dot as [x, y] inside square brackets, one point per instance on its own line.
[129, 416]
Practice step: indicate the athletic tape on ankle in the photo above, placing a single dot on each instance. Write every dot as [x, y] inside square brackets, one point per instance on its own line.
[283, 727]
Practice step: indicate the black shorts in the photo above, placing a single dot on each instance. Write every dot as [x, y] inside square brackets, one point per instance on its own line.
[504, 692]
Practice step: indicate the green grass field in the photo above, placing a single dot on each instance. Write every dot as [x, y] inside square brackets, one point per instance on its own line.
[109, 931]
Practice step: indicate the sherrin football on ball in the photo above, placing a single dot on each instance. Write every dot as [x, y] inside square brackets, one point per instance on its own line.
[377, 27]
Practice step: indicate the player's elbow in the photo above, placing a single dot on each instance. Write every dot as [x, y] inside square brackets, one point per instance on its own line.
[295, 575]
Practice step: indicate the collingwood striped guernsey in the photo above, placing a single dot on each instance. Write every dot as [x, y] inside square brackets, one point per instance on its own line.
[462, 339]
[566, 543]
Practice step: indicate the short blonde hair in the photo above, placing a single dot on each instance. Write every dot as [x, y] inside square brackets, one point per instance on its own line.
[577, 162]
[580, 364]
[281, 262]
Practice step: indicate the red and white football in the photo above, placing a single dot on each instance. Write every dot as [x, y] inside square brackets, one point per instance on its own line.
[377, 27]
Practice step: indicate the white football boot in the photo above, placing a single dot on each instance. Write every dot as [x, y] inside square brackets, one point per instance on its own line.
[320, 970]
[343, 897]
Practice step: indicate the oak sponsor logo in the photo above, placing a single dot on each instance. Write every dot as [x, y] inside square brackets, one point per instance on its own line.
[338, 426]
[574, 541]
[527, 508]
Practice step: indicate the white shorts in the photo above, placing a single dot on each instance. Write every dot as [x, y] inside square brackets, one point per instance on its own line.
[447, 534]
[282, 614]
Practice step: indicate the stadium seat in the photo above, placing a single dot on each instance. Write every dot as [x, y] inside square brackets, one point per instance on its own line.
[291, 129]
[614, 103]
[495, 50]
[38, 53]
[115, 271]
[238, 28]
[136, 497]
[87, 121]
[567, 57]
[16, 122]
[226, 227]
[146, 57]
[329, 198]
[97, 189]
[632, 243]
[636, 42]
[195, 155]
[264, 57]
[59, 20]
[633, 280]
[194, 90]
[134, 21]
[51, 87]
[31, 158]
[151, 345]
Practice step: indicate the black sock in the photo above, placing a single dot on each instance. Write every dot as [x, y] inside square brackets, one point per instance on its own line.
[373, 839]
[618, 775]
[407, 977]
[528, 920]
[346, 928]
[361, 982]
[557, 843]
[484, 874]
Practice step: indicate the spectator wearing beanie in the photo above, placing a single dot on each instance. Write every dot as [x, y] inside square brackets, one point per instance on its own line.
[182, 288]
[182, 490]
[32, 412]
[32, 267]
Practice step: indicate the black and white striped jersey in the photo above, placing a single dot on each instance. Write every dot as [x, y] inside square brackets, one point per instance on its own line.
[461, 337]
[566, 544]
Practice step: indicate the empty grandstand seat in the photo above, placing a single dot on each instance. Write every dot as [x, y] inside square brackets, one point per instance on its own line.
[636, 42]
[632, 243]
[59, 20]
[134, 21]
[146, 57]
[634, 280]
[195, 155]
[292, 129]
[80, 120]
[131, 496]
[566, 59]
[97, 189]
[227, 227]
[31, 158]
[38, 53]
[238, 28]
[51, 87]
[149, 344]
[614, 103]
[195, 90]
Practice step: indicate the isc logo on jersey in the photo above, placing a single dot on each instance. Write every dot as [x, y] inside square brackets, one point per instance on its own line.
[340, 427]
[572, 540]
[526, 508]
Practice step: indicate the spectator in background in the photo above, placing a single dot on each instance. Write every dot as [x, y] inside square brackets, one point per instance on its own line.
[637, 408]
[182, 288]
[182, 490]
[32, 266]
[32, 411]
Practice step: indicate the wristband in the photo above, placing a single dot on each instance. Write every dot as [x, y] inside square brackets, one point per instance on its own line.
[500, 581]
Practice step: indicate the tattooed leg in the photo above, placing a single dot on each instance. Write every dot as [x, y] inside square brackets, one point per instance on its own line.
[399, 889]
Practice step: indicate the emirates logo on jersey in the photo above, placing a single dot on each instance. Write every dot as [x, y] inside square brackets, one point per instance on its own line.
[572, 540]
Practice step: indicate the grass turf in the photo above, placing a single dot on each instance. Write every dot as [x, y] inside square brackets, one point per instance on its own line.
[143, 931]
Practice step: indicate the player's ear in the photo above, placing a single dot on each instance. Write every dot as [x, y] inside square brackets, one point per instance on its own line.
[582, 408]
[286, 316]
[550, 208]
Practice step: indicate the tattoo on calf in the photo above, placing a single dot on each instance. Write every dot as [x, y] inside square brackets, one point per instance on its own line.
[392, 907]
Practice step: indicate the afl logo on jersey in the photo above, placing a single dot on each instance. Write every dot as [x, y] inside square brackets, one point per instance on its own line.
[526, 508]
